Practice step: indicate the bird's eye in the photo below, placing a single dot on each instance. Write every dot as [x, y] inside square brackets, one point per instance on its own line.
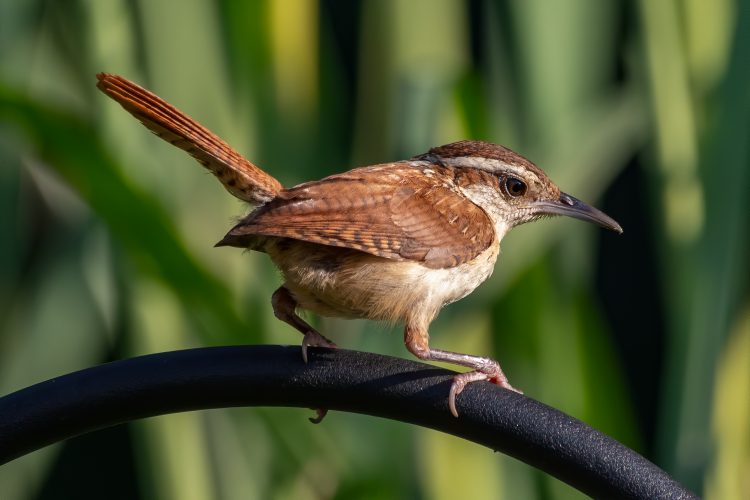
[515, 187]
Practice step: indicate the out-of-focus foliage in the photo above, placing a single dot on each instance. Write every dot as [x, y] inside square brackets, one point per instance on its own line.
[107, 232]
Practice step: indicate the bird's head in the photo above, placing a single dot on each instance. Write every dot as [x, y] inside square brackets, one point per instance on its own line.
[510, 188]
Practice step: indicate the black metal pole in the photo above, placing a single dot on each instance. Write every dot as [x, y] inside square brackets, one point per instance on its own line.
[382, 386]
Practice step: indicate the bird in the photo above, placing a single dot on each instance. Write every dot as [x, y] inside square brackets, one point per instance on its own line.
[393, 242]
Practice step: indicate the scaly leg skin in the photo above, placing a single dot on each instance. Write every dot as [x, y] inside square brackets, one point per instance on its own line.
[283, 307]
[417, 342]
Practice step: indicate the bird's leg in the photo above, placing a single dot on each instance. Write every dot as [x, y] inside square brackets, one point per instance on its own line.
[283, 307]
[417, 342]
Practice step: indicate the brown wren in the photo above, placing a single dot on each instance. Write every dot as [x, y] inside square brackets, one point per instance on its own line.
[393, 242]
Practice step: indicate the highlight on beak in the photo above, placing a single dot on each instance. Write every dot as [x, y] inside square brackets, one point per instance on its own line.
[573, 207]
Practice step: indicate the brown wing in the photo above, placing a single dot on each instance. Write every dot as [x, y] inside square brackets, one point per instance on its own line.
[392, 211]
[240, 177]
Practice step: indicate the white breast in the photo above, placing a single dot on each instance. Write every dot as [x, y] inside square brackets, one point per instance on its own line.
[351, 284]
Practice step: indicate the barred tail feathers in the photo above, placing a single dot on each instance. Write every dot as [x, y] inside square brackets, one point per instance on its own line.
[239, 176]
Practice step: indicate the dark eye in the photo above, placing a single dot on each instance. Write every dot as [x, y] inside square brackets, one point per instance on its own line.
[515, 187]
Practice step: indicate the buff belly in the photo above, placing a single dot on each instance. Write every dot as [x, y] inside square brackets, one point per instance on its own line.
[340, 282]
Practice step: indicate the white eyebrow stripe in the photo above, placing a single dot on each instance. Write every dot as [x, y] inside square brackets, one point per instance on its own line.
[487, 164]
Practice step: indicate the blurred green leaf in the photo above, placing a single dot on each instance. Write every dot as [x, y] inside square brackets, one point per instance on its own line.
[71, 147]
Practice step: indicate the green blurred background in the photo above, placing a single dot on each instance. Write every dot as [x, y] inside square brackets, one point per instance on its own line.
[642, 108]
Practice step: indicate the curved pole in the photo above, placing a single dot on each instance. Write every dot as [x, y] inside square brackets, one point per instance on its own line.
[377, 385]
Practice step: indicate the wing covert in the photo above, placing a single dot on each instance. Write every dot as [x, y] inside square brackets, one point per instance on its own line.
[390, 211]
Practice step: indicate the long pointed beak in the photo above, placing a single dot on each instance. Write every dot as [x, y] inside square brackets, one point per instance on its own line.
[573, 207]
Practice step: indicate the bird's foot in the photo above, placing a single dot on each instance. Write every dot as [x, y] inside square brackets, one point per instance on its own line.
[491, 373]
[313, 338]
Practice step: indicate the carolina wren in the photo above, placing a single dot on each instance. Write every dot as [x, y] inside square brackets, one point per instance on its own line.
[392, 242]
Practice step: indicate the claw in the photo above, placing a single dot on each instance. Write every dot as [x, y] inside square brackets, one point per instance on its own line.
[314, 339]
[320, 415]
[452, 398]
[461, 380]
[459, 383]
